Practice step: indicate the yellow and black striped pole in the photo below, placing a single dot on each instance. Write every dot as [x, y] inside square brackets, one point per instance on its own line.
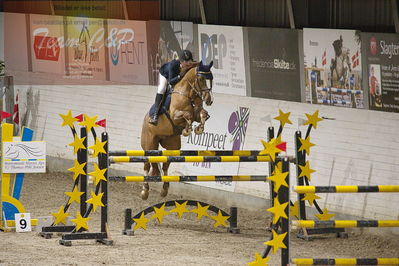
[211, 178]
[183, 153]
[345, 223]
[346, 189]
[346, 261]
[187, 159]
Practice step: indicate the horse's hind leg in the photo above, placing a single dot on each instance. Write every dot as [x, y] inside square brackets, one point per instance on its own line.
[146, 188]
[171, 143]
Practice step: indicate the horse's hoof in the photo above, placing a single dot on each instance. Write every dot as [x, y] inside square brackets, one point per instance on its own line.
[199, 130]
[144, 194]
[165, 190]
[186, 132]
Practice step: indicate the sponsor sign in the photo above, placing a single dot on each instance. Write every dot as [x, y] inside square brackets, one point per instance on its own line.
[24, 157]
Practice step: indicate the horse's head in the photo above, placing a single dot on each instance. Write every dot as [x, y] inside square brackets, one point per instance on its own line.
[204, 82]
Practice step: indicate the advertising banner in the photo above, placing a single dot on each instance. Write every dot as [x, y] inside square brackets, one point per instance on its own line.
[86, 48]
[127, 50]
[166, 39]
[15, 41]
[274, 64]
[47, 44]
[24, 157]
[381, 62]
[224, 46]
[224, 130]
[333, 69]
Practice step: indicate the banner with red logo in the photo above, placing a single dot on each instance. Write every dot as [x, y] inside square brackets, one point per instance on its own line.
[381, 69]
[86, 48]
[47, 48]
[127, 50]
[333, 72]
[15, 42]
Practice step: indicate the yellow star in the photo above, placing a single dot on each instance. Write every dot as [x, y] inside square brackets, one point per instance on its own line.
[180, 208]
[141, 222]
[89, 122]
[310, 197]
[270, 148]
[98, 147]
[95, 200]
[80, 222]
[325, 216]
[313, 119]
[99, 174]
[278, 210]
[60, 216]
[259, 261]
[68, 119]
[160, 213]
[294, 210]
[220, 219]
[279, 179]
[77, 169]
[283, 118]
[306, 170]
[306, 144]
[277, 241]
[201, 211]
[77, 144]
[74, 195]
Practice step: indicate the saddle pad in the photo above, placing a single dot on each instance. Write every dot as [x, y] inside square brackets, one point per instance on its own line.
[165, 106]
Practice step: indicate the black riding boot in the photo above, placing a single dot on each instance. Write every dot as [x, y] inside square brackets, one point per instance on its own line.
[158, 99]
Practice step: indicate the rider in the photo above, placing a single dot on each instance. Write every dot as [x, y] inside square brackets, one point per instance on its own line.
[171, 72]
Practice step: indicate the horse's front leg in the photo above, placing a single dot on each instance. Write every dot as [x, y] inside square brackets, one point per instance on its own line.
[203, 114]
[165, 186]
[188, 117]
[146, 188]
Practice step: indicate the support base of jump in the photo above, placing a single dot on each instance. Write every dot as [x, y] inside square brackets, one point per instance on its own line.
[306, 233]
[47, 231]
[99, 237]
[128, 228]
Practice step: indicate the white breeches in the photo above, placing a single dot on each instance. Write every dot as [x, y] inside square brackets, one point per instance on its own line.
[162, 85]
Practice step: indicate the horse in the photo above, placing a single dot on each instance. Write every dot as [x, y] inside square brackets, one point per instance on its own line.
[340, 64]
[186, 106]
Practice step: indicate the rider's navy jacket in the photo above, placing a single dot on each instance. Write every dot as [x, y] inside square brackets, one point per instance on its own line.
[171, 71]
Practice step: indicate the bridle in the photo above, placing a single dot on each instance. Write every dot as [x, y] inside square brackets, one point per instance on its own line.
[199, 92]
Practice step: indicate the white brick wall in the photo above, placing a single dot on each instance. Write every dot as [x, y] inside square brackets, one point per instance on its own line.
[359, 147]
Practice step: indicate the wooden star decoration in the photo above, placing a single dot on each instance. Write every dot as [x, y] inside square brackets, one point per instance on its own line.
[313, 119]
[278, 210]
[98, 174]
[89, 122]
[201, 211]
[159, 213]
[180, 208]
[220, 219]
[283, 118]
[141, 222]
[259, 261]
[77, 169]
[306, 171]
[98, 147]
[310, 197]
[60, 216]
[325, 216]
[294, 210]
[68, 119]
[306, 145]
[96, 200]
[279, 179]
[277, 241]
[77, 144]
[80, 221]
[74, 195]
[270, 149]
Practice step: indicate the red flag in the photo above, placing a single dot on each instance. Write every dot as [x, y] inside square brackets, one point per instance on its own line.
[80, 118]
[282, 146]
[102, 123]
[15, 116]
[4, 115]
[355, 60]
[324, 58]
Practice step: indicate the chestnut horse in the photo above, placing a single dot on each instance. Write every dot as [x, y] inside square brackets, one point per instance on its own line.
[186, 107]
